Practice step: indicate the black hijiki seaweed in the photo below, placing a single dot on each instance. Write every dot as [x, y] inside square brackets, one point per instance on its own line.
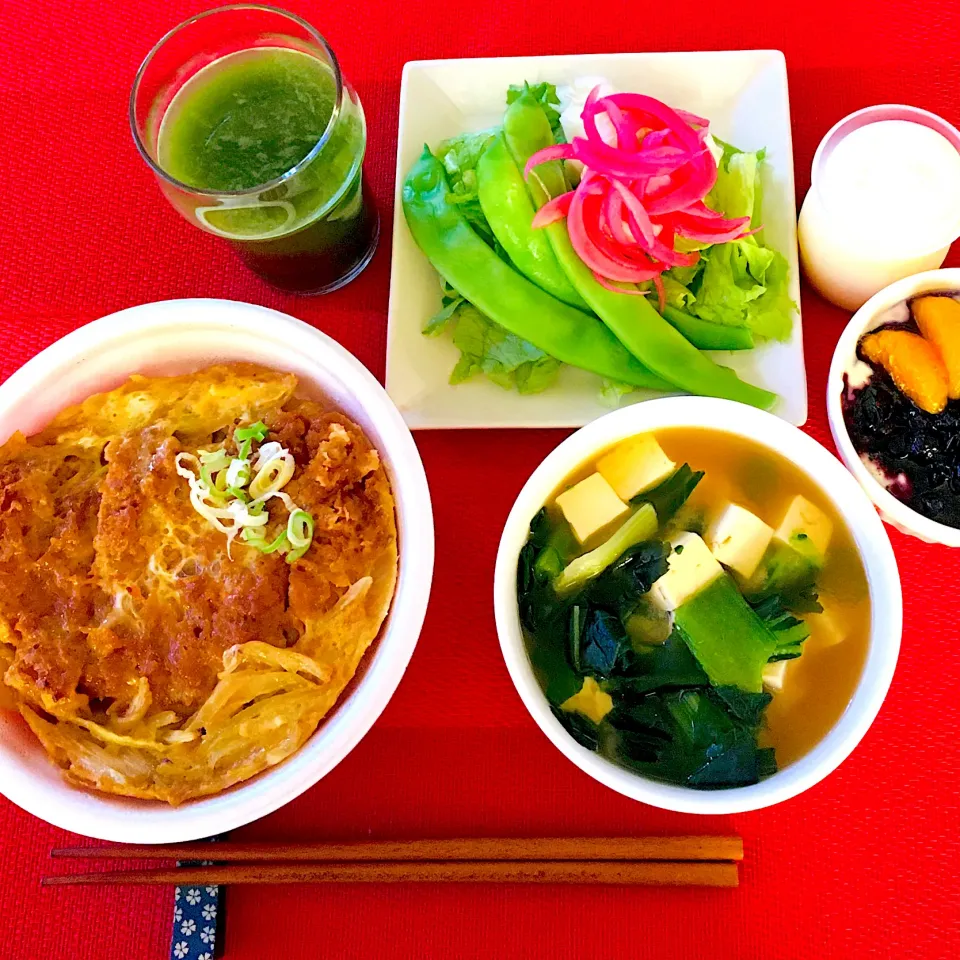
[918, 452]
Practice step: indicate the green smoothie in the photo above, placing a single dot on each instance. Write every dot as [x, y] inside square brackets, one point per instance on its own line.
[248, 119]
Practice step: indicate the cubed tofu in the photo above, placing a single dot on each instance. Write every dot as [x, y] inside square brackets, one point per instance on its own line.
[690, 567]
[636, 465]
[591, 505]
[590, 701]
[806, 528]
[774, 674]
[826, 628]
[739, 539]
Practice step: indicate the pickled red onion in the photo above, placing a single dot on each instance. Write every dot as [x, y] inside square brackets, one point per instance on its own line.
[588, 244]
[708, 229]
[637, 213]
[638, 194]
[559, 151]
[661, 292]
[619, 288]
[691, 118]
[656, 115]
[702, 210]
[553, 210]
[614, 162]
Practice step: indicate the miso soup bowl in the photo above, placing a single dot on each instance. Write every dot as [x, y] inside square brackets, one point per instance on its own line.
[179, 336]
[836, 485]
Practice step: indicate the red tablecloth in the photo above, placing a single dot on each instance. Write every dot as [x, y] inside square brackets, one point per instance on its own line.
[863, 865]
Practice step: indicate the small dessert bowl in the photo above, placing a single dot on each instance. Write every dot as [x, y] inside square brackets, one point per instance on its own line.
[882, 308]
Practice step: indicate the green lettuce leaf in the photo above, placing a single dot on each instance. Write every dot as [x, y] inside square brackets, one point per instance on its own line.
[741, 283]
[770, 315]
[546, 94]
[612, 392]
[676, 292]
[745, 285]
[737, 190]
[459, 156]
[449, 304]
[487, 348]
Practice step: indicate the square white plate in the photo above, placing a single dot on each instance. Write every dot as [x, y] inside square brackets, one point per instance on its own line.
[743, 93]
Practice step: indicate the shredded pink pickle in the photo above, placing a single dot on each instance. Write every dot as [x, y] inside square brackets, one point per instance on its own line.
[637, 196]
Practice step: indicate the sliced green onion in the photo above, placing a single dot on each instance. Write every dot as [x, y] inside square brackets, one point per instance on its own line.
[300, 529]
[211, 482]
[214, 459]
[238, 473]
[279, 544]
[259, 541]
[273, 476]
[218, 494]
[242, 517]
[266, 453]
[256, 431]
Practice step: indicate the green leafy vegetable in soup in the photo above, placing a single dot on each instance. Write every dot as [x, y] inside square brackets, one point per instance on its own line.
[698, 658]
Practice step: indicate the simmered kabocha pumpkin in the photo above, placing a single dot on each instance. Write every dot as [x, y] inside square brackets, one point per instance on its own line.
[938, 318]
[914, 365]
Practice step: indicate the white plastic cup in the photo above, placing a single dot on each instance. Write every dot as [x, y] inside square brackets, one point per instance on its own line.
[844, 269]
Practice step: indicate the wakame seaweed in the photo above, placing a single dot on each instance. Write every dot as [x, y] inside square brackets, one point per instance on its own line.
[667, 721]
[789, 630]
[582, 729]
[669, 496]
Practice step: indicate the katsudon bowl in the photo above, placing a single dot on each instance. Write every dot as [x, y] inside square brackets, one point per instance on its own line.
[179, 337]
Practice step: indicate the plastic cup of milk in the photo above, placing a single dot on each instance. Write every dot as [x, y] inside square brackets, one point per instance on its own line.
[883, 204]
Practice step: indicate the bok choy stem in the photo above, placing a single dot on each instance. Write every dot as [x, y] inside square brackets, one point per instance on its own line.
[639, 526]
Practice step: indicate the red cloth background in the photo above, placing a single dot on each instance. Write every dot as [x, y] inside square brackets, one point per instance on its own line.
[863, 865]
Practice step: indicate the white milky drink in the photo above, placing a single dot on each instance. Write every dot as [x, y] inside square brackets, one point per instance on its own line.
[884, 203]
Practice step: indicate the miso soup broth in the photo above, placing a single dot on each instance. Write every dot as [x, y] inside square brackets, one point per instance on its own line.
[819, 684]
[694, 608]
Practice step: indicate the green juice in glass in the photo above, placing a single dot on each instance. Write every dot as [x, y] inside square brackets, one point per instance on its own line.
[254, 119]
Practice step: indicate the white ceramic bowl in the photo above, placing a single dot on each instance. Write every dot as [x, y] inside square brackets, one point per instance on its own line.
[880, 309]
[178, 336]
[836, 485]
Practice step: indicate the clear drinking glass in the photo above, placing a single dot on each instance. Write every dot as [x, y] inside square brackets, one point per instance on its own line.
[254, 135]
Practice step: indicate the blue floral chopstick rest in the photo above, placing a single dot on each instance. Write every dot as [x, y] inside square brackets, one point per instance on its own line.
[198, 915]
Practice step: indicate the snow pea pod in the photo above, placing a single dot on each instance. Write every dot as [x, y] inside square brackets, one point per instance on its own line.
[650, 338]
[506, 204]
[504, 295]
[526, 130]
[707, 335]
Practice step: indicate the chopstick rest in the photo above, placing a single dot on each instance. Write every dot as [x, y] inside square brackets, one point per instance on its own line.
[198, 917]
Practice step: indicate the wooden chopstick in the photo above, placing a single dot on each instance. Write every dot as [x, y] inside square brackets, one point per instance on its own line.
[650, 872]
[474, 848]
